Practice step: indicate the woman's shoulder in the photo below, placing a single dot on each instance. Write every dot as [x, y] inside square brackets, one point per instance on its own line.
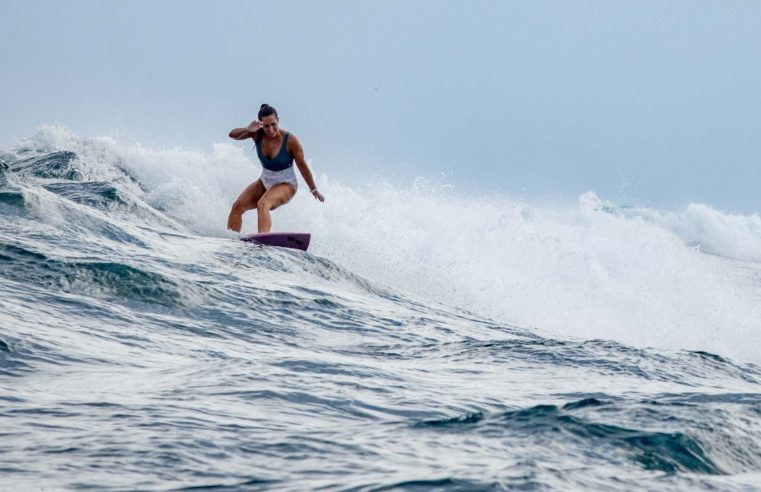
[292, 139]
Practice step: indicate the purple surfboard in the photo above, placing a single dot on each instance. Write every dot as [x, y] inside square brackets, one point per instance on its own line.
[296, 240]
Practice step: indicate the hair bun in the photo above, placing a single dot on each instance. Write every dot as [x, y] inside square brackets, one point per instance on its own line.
[266, 110]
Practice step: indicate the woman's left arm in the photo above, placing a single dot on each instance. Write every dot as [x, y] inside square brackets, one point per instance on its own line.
[298, 155]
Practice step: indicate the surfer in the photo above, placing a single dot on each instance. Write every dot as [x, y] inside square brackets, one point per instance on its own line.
[277, 149]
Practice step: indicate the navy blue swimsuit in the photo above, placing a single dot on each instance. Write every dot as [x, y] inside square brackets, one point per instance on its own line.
[283, 160]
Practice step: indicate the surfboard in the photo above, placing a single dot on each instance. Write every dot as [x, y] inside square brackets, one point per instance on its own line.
[296, 240]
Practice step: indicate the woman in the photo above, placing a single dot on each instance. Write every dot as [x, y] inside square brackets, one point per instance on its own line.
[277, 149]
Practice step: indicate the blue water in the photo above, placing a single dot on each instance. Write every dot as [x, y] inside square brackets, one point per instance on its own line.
[143, 348]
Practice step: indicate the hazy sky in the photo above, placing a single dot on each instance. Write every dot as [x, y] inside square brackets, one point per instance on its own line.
[649, 103]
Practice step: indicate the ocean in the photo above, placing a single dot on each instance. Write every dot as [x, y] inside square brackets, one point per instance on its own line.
[431, 339]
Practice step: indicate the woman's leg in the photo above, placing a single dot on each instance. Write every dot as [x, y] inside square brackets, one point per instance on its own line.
[245, 202]
[280, 194]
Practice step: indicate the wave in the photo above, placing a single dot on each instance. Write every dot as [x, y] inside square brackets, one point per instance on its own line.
[131, 311]
[698, 225]
[685, 279]
[577, 424]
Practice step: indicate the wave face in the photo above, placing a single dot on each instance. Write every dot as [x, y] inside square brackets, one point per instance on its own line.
[429, 340]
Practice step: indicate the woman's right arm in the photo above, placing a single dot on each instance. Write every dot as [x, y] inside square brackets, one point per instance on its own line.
[240, 134]
[248, 132]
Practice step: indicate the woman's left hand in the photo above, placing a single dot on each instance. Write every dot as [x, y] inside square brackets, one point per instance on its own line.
[318, 195]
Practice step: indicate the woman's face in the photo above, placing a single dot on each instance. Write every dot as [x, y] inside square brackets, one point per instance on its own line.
[270, 125]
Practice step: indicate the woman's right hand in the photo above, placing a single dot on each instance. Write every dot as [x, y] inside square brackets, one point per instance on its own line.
[255, 126]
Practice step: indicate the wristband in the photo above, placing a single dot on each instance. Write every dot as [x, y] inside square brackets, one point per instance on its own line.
[312, 190]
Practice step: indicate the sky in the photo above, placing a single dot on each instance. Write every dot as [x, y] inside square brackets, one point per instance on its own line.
[646, 103]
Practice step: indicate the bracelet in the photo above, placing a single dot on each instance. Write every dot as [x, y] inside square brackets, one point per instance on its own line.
[312, 190]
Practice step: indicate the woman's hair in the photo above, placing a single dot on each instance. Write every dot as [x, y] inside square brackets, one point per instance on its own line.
[267, 110]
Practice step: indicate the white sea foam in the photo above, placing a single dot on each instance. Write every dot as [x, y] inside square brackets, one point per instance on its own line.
[689, 278]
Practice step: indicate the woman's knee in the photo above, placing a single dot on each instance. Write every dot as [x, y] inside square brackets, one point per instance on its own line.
[263, 205]
[238, 207]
